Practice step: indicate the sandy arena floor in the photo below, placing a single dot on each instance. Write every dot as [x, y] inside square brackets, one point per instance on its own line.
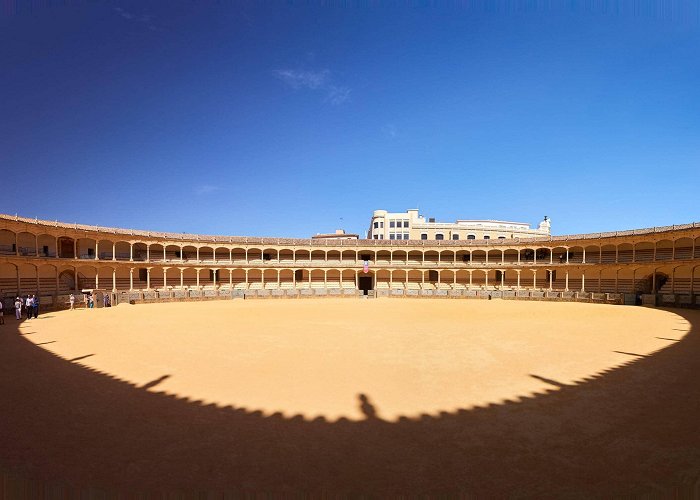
[316, 358]
[352, 398]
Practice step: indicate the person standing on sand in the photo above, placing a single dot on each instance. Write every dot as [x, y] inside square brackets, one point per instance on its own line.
[72, 301]
[35, 298]
[29, 306]
[2, 315]
[18, 308]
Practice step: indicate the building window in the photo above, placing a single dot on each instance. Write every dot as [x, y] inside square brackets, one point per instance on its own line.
[376, 225]
[487, 237]
[405, 223]
[500, 275]
[391, 236]
[376, 236]
[455, 236]
[501, 237]
[381, 236]
[391, 223]
[405, 236]
[471, 237]
[439, 236]
[381, 224]
[423, 236]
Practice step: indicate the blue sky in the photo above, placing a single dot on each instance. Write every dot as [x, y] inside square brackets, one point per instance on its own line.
[292, 118]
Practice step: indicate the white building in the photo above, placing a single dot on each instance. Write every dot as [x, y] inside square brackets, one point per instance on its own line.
[410, 225]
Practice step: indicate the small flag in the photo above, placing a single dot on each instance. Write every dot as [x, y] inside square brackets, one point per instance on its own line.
[365, 267]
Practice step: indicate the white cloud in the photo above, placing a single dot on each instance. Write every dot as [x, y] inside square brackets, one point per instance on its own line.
[142, 19]
[303, 79]
[337, 95]
[316, 80]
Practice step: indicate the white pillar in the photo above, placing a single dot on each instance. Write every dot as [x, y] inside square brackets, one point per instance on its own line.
[131, 278]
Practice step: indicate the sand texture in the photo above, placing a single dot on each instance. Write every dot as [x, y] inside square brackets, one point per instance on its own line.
[355, 396]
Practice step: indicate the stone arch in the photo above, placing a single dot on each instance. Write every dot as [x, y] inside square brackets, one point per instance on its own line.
[644, 251]
[663, 250]
[683, 248]
[206, 254]
[26, 243]
[625, 252]
[8, 242]
[46, 245]
[608, 254]
[222, 254]
[156, 252]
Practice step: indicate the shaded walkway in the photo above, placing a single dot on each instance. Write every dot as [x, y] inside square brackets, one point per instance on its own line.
[632, 430]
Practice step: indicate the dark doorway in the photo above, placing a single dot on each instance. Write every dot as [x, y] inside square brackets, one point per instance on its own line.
[65, 246]
[365, 283]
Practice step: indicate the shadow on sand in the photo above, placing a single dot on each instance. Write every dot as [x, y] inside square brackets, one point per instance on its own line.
[631, 430]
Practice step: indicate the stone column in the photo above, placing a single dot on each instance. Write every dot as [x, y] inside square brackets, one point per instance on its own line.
[534, 279]
[97, 250]
[197, 269]
[673, 281]
[182, 277]
[114, 280]
[518, 271]
[131, 252]
[583, 281]
[131, 278]
[566, 281]
[114, 250]
[148, 278]
[165, 277]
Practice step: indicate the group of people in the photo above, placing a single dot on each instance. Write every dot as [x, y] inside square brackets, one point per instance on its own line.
[30, 304]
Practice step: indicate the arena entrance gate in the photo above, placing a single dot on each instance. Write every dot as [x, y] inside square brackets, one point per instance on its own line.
[366, 284]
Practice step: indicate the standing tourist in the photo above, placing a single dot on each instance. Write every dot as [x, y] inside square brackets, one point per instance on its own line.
[2, 317]
[72, 301]
[35, 298]
[29, 306]
[18, 308]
